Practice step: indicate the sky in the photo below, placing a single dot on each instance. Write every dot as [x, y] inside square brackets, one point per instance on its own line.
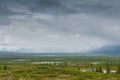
[59, 25]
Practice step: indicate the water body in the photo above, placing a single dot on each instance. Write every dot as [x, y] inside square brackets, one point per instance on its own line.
[104, 71]
[46, 62]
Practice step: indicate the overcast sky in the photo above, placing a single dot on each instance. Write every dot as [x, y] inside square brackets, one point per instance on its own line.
[59, 25]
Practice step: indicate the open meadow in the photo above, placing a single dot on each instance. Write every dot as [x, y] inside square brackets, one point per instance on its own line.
[60, 68]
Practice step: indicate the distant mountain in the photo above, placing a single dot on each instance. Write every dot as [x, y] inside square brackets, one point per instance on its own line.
[8, 52]
[108, 50]
[20, 50]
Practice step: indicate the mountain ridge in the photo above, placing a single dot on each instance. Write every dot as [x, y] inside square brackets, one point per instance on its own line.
[107, 50]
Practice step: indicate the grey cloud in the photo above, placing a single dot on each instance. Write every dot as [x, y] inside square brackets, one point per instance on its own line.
[94, 7]
[84, 24]
[101, 7]
[5, 12]
[4, 21]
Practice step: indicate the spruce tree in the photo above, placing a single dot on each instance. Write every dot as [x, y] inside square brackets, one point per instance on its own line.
[4, 67]
[108, 68]
[99, 69]
[118, 68]
[92, 67]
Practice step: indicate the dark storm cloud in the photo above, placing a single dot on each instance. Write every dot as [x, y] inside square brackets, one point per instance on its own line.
[104, 7]
[43, 6]
[6, 12]
[61, 7]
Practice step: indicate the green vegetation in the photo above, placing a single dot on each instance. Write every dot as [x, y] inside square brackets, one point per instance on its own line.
[60, 68]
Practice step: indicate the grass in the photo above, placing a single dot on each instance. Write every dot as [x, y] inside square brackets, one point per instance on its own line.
[69, 69]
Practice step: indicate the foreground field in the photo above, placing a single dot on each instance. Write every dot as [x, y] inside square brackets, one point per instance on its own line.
[50, 72]
[60, 68]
